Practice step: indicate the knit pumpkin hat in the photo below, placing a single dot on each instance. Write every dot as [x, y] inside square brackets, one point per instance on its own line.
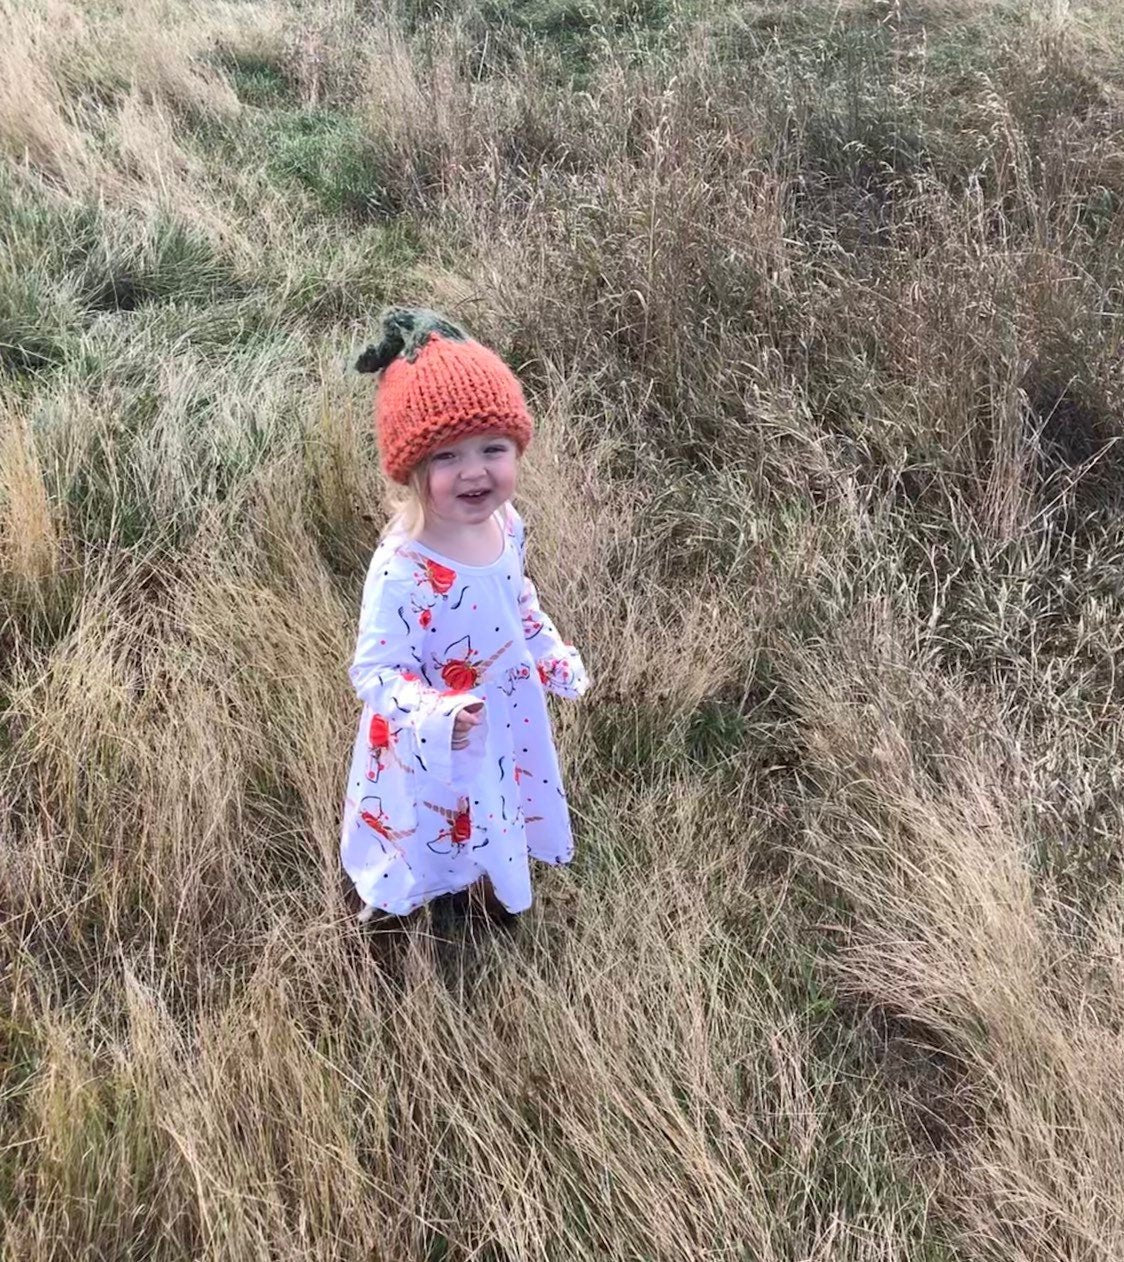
[436, 387]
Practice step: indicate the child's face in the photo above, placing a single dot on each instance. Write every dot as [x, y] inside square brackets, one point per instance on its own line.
[458, 471]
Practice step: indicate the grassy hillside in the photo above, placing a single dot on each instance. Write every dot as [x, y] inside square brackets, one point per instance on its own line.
[820, 310]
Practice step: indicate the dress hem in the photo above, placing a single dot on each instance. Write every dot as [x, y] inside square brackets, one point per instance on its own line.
[404, 909]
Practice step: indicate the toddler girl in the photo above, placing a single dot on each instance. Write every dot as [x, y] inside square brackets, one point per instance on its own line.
[454, 778]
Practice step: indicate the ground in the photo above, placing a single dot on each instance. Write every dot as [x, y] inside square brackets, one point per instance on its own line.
[818, 309]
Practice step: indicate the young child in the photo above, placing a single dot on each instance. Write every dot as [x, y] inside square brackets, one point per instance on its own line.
[454, 780]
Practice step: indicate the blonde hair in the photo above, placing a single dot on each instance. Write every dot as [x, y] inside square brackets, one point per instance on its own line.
[407, 502]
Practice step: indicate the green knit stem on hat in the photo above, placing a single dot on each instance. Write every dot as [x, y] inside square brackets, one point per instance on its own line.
[404, 331]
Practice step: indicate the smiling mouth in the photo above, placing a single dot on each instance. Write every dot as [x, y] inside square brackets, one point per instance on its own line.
[473, 496]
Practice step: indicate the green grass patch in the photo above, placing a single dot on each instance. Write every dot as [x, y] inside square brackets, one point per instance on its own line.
[258, 79]
[327, 153]
[40, 312]
[573, 35]
[171, 432]
[166, 259]
[64, 266]
[349, 277]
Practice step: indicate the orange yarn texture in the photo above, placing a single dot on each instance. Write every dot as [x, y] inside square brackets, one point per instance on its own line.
[450, 391]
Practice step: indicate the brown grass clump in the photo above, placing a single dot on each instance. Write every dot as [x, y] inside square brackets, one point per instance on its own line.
[28, 535]
[818, 310]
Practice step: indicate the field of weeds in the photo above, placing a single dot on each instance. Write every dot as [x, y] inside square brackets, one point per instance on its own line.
[820, 311]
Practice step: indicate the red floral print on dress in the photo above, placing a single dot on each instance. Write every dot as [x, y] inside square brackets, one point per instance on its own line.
[439, 578]
[381, 742]
[555, 670]
[422, 611]
[517, 772]
[458, 836]
[465, 672]
[513, 676]
[372, 814]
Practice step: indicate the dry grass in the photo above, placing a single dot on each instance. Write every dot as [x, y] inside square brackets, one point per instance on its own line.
[819, 308]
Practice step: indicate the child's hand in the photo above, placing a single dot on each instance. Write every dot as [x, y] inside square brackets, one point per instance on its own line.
[466, 719]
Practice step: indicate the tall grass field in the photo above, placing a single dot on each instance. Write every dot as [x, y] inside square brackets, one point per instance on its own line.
[819, 308]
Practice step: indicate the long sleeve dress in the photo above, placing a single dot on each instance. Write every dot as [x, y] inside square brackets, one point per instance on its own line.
[421, 818]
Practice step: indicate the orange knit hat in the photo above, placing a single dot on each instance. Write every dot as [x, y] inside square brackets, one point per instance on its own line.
[437, 387]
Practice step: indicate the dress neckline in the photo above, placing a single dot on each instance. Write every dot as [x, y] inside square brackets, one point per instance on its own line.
[454, 564]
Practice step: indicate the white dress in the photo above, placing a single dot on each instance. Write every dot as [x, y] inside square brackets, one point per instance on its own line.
[421, 818]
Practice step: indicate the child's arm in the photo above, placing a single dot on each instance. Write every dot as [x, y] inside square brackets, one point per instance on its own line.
[559, 663]
[388, 675]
